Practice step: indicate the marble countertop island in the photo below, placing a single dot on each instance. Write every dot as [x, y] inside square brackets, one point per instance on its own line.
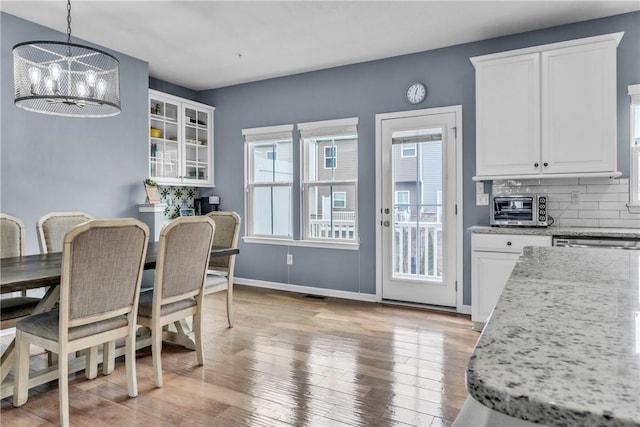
[596, 232]
[562, 347]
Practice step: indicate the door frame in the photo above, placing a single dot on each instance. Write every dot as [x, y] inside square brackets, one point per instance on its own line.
[457, 109]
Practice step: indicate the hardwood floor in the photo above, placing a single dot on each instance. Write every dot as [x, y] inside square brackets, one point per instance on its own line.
[289, 360]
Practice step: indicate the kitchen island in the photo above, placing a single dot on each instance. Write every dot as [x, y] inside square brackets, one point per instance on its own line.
[562, 347]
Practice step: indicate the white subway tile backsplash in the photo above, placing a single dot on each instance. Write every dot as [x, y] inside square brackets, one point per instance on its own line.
[602, 202]
[600, 214]
[620, 223]
[577, 223]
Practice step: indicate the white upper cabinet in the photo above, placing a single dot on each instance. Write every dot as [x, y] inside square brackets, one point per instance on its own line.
[180, 141]
[547, 111]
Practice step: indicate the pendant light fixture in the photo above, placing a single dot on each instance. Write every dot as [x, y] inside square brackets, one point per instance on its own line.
[66, 79]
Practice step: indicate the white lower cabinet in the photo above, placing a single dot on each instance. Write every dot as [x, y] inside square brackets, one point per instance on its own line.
[493, 257]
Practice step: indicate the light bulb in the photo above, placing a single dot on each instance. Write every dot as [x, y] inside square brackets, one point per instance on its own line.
[91, 77]
[35, 75]
[101, 87]
[48, 83]
[81, 89]
[55, 70]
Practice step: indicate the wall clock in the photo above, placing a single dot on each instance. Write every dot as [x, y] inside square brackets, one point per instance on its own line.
[416, 93]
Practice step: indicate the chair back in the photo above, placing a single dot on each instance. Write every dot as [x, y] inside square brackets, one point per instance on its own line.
[183, 255]
[53, 227]
[102, 265]
[227, 234]
[11, 236]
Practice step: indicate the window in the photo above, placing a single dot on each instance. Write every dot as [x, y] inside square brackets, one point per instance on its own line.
[269, 181]
[634, 176]
[330, 157]
[408, 150]
[402, 201]
[329, 190]
[339, 200]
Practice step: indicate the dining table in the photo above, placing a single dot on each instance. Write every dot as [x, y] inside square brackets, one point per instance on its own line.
[37, 271]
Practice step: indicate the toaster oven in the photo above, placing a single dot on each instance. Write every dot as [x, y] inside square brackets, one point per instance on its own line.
[519, 210]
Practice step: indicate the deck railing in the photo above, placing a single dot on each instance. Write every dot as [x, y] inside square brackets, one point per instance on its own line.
[417, 250]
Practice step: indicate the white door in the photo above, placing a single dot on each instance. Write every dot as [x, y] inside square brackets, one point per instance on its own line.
[418, 207]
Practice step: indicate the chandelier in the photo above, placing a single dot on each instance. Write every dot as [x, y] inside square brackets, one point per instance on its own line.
[66, 79]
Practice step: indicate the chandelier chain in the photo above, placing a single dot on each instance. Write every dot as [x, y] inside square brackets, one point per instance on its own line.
[68, 21]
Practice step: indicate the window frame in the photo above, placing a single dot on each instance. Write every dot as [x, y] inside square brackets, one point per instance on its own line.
[634, 129]
[334, 199]
[252, 137]
[332, 131]
[334, 157]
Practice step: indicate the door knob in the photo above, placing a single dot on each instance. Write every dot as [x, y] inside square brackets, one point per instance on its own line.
[386, 223]
[386, 210]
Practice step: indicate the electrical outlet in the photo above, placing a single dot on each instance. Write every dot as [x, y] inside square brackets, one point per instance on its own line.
[479, 187]
[289, 259]
[482, 199]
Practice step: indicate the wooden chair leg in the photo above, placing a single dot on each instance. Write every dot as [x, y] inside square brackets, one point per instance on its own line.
[63, 386]
[108, 357]
[197, 335]
[91, 367]
[21, 372]
[230, 305]
[156, 350]
[130, 364]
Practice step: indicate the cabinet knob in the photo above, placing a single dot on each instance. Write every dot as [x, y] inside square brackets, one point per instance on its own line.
[545, 164]
[536, 165]
[508, 243]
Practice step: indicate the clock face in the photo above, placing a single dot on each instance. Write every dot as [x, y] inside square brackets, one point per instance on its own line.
[416, 93]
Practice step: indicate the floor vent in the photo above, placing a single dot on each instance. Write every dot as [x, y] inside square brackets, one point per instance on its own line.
[315, 296]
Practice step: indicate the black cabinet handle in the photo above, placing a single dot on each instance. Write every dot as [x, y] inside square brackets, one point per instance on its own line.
[536, 165]
[508, 243]
[545, 164]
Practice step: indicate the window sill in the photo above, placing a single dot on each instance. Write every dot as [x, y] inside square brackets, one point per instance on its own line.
[350, 246]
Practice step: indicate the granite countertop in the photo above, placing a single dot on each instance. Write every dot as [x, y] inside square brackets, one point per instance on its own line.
[562, 347]
[561, 231]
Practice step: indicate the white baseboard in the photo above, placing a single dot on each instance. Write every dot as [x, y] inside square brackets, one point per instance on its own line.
[306, 289]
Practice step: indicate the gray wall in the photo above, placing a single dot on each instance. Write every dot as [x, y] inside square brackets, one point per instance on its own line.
[364, 90]
[51, 163]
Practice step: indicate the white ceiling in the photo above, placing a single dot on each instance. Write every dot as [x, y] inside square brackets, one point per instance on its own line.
[210, 44]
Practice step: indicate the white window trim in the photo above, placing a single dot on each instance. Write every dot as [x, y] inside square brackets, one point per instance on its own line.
[252, 135]
[344, 200]
[634, 197]
[321, 244]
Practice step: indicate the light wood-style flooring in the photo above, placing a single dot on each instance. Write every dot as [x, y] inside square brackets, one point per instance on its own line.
[290, 360]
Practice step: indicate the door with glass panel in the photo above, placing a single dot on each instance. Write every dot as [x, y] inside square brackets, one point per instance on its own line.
[418, 209]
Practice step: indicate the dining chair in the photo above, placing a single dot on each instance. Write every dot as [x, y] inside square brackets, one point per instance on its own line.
[12, 238]
[184, 249]
[53, 226]
[102, 264]
[221, 269]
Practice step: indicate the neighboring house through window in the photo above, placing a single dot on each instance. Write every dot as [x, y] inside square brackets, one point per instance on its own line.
[408, 150]
[329, 189]
[269, 181]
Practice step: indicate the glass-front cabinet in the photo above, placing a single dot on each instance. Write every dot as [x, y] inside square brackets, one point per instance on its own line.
[180, 141]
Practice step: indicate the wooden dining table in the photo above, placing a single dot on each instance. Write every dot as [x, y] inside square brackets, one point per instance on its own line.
[22, 273]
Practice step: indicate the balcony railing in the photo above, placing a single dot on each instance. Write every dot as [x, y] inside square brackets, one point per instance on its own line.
[417, 250]
[341, 226]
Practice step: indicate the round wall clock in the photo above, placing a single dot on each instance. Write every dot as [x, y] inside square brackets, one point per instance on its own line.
[416, 93]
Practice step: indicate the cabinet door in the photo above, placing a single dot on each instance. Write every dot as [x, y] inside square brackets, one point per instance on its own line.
[508, 115]
[165, 156]
[579, 109]
[197, 128]
[489, 273]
